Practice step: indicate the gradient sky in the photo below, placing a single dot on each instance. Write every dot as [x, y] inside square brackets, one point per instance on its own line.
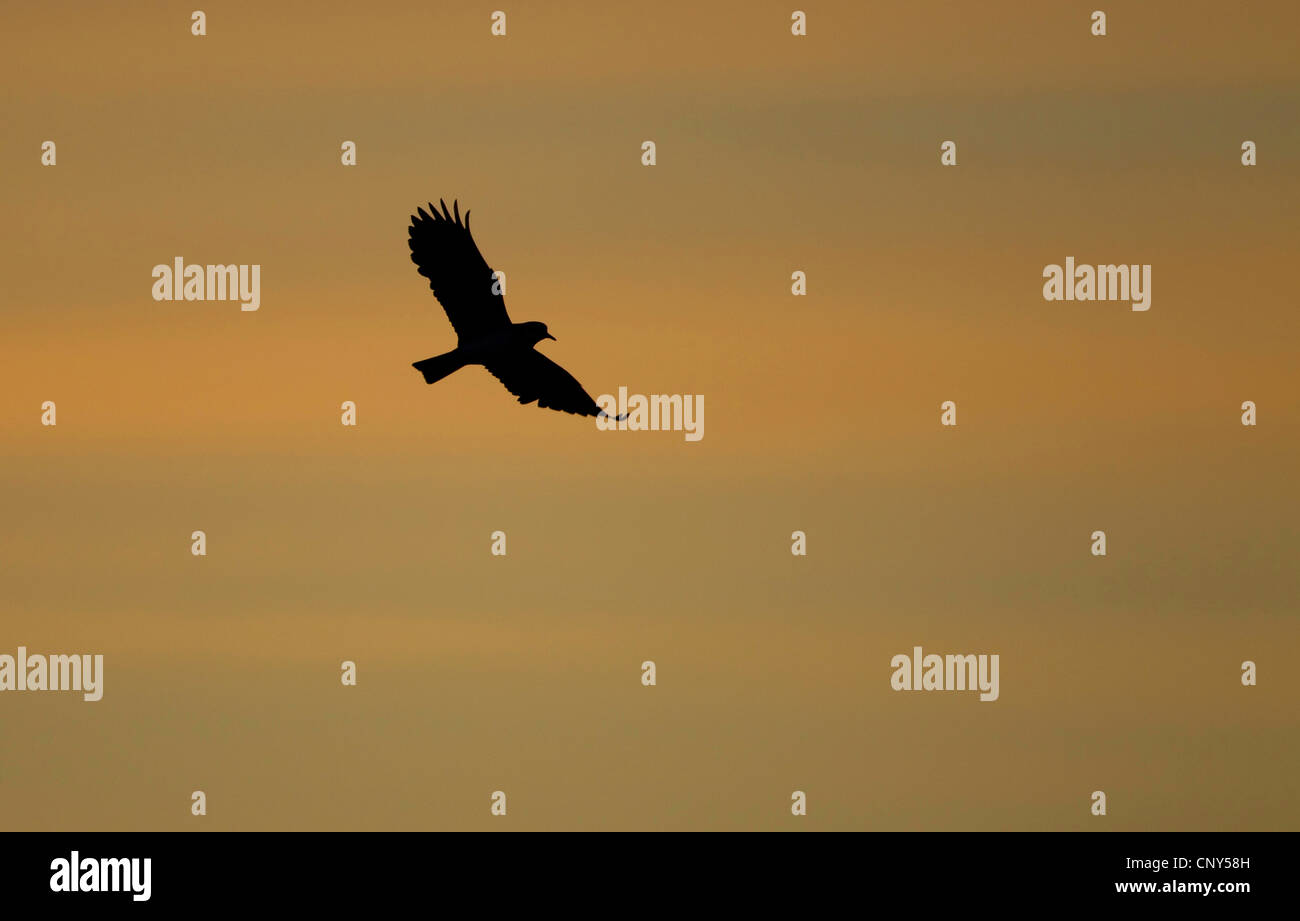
[522, 673]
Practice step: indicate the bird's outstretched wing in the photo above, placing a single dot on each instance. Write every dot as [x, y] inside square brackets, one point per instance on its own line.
[530, 375]
[461, 280]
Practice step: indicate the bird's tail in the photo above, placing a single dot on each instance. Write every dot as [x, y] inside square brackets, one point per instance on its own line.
[436, 368]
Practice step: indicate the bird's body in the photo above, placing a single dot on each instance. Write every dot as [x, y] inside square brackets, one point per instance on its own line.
[516, 336]
[471, 294]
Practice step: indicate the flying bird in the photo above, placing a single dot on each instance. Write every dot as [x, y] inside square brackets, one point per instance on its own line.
[445, 252]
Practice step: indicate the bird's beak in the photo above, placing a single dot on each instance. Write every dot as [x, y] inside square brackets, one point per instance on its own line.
[552, 338]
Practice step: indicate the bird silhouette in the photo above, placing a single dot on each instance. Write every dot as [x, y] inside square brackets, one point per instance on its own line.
[444, 250]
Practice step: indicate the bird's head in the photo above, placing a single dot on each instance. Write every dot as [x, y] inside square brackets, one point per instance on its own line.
[536, 332]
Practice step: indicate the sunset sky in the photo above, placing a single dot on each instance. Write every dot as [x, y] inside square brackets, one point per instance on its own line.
[522, 673]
